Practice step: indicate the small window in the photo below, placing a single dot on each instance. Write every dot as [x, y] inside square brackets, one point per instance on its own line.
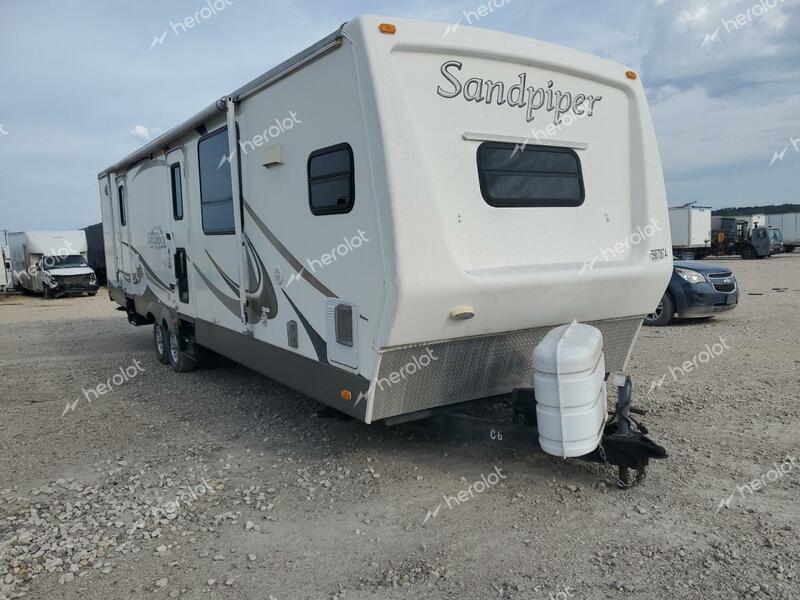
[344, 324]
[533, 176]
[121, 194]
[177, 191]
[331, 183]
[216, 194]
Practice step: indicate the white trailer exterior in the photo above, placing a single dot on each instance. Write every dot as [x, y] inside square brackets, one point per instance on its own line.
[690, 227]
[401, 200]
[50, 261]
[5, 269]
[789, 224]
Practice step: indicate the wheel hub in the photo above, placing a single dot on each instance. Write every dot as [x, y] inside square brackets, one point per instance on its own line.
[173, 346]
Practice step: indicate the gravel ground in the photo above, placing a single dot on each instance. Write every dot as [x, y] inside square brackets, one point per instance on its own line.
[223, 484]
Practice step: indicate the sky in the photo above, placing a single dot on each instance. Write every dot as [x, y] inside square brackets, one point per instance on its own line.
[84, 83]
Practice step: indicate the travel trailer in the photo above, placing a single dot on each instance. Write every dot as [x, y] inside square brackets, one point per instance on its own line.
[789, 224]
[690, 226]
[51, 263]
[378, 222]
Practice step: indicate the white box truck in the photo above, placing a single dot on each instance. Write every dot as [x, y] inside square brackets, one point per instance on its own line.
[789, 224]
[378, 221]
[51, 263]
[690, 227]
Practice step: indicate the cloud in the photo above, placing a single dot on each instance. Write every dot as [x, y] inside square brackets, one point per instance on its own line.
[698, 131]
[144, 133]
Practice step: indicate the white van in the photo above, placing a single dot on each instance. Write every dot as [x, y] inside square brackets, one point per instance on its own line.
[380, 222]
[51, 263]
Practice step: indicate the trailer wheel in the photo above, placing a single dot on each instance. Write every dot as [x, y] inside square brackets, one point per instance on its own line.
[181, 362]
[663, 313]
[161, 343]
[788, 249]
[748, 253]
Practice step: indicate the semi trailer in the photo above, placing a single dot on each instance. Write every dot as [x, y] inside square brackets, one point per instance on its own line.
[390, 252]
[789, 224]
[690, 227]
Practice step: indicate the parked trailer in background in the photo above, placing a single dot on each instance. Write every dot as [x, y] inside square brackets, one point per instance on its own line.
[51, 263]
[691, 231]
[96, 251]
[789, 224]
[5, 269]
[390, 251]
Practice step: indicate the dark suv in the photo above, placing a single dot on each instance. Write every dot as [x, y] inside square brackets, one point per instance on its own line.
[696, 289]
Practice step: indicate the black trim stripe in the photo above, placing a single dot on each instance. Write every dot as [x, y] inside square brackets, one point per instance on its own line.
[229, 303]
[153, 277]
[320, 347]
[283, 251]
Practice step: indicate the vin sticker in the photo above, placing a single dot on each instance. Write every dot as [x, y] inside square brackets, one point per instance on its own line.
[659, 254]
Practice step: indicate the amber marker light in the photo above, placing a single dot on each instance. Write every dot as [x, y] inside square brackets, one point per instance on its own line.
[387, 28]
[346, 395]
[631, 75]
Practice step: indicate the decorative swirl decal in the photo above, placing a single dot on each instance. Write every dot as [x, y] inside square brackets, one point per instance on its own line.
[260, 294]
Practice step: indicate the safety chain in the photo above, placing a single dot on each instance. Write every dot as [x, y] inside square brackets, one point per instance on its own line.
[640, 473]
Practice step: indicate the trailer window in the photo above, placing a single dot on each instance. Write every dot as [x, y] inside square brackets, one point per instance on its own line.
[331, 182]
[121, 195]
[177, 191]
[216, 194]
[531, 176]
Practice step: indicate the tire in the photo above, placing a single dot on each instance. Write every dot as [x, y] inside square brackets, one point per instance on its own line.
[45, 292]
[161, 343]
[788, 249]
[92, 294]
[748, 253]
[663, 314]
[181, 362]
